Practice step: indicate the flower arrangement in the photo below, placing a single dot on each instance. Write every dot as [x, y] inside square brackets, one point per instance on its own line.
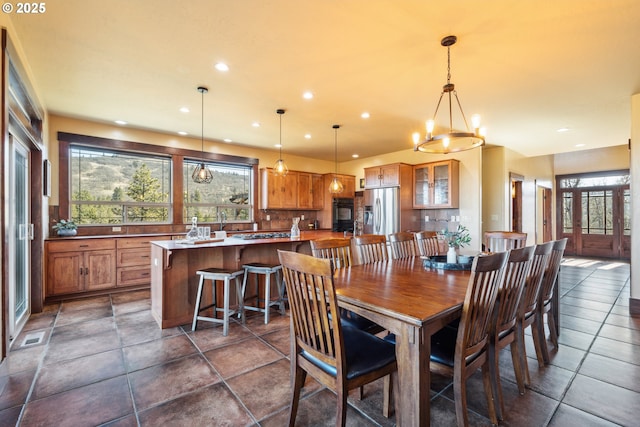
[458, 238]
[65, 227]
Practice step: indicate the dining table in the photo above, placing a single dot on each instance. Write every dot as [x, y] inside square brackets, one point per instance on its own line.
[413, 302]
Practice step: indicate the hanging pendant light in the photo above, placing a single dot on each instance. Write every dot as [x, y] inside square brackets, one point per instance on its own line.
[201, 173]
[336, 185]
[280, 168]
[450, 142]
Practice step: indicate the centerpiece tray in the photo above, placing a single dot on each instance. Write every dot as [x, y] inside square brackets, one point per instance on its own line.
[440, 262]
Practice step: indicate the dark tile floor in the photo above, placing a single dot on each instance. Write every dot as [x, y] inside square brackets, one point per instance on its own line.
[104, 361]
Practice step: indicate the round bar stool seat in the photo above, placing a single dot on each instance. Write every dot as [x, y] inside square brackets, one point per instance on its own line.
[266, 270]
[218, 275]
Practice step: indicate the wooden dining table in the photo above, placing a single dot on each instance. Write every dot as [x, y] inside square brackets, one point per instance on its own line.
[413, 302]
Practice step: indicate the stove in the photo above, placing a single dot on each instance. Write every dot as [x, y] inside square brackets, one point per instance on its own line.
[252, 236]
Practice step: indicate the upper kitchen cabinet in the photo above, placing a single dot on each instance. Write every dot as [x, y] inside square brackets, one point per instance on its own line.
[348, 181]
[296, 190]
[384, 176]
[435, 185]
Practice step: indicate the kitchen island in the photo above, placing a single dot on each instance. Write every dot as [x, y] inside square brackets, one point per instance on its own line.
[174, 281]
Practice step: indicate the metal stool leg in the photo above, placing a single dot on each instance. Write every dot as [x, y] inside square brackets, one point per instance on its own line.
[198, 298]
[225, 313]
[267, 297]
[240, 296]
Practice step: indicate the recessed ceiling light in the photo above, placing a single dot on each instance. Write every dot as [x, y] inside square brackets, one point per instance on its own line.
[563, 130]
[307, 136]
[355, 156]
[120, 122]
[365, 115]
[277, 145]
[183, 133]
[228, 140]
[580, 145]
[184, 109]
[255, 124]
[221, 66]
[308, 95]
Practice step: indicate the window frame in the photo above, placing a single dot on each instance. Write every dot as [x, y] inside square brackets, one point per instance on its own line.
[177, 155]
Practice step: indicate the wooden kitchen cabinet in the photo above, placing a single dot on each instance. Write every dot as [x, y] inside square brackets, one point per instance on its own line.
[436, 185]
[133, 265]
[82, 265]
[296, 190]
[383, 176]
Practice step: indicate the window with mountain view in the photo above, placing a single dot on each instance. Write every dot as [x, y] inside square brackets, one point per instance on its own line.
[117, 187]
[227, 198]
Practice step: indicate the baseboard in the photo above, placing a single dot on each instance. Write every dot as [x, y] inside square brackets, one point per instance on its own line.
[634, 307]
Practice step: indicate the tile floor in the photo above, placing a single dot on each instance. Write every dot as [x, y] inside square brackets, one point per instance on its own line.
[104, 361]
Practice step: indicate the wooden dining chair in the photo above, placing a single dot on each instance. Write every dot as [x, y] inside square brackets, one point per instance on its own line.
[336, 249]
[460, 348]
[527, 309]
[546, 301]
[427, 243]
[498, 241]
[339, 357]
[502, 329]
[402, 245]
[372, 248]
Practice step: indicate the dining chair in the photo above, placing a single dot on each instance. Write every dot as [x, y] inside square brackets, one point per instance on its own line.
[339, 357]
[498, 241]
[502, 329]
[546, 300]
[337, 249]
[460, 348]
[402, 245]
[427, 243]
[372, 248]
[527, 309]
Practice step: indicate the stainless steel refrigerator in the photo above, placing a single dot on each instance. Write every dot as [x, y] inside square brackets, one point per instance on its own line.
[389, 210]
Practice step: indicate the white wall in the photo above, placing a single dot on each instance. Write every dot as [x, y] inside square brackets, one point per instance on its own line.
[635, 199]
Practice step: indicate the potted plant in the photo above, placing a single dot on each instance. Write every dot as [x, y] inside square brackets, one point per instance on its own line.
[66, 227]
[455, 239]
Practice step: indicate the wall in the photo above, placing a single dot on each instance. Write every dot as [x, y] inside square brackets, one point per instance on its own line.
[634, 301]
[595, 160]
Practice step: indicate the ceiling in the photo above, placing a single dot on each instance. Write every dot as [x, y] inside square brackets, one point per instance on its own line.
[529, 67]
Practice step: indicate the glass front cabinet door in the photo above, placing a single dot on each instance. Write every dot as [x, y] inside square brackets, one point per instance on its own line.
[435, 185]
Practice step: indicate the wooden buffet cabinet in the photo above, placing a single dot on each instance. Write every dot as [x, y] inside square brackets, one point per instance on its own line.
[78, 265]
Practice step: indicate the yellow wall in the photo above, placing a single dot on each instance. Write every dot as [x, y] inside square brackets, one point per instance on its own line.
[598, 159]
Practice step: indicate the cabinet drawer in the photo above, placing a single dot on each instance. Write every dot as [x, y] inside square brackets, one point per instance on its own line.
[73, 245]
[139, 242]
[129, 276]
[134, 256]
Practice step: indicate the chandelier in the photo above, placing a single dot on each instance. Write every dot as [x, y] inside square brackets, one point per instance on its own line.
[201, 173]
[452, 141]
[336, 185]
[280, 168]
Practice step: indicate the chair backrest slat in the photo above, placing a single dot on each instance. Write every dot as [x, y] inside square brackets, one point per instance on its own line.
[499, 241]
[486, 277]
[427, 243]
[402, 245]
[372, 248]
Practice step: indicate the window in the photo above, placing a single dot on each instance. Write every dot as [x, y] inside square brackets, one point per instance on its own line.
[227, 198]
[118, 187]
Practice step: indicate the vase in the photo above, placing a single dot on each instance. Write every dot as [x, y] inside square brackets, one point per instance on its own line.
[65, 232]
[452, 255]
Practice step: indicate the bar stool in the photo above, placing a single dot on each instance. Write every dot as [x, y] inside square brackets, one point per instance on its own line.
[215, 275]
[267, 270]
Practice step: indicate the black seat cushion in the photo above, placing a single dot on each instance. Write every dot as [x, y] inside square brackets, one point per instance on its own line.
[364, 353]
[354, 320]
[443, 343]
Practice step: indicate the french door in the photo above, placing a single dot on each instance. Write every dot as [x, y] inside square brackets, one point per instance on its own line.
[20, 236]
[597, 221]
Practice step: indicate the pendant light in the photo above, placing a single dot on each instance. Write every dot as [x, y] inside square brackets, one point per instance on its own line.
[452, 141]
[336, 185]
[280, 168]
[201, 173]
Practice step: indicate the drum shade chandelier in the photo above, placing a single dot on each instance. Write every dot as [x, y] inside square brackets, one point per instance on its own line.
[336, 185]
[453, 141]
[201, 173]
[280, 168]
